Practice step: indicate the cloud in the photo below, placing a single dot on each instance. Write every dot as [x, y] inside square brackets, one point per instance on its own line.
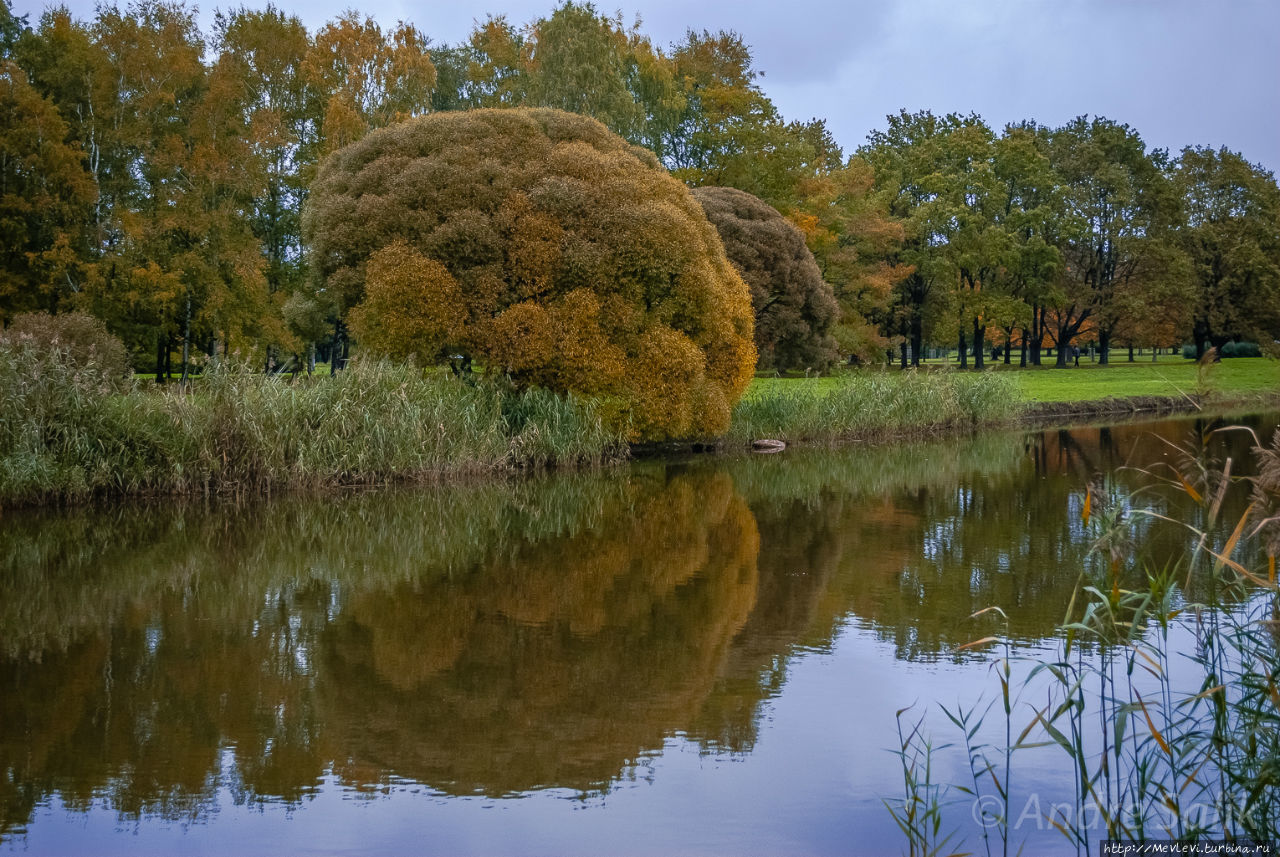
[1179, 71]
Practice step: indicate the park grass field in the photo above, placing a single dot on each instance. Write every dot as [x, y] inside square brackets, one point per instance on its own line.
[1233, 378]
[1241, 377]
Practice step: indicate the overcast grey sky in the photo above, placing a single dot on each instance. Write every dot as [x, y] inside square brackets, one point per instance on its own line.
[1180, 72]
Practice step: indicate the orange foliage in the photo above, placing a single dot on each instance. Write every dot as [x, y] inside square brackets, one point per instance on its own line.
[579, 263]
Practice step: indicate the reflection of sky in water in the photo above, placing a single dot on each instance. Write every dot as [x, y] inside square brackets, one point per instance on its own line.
[811, 785]
[740, 700]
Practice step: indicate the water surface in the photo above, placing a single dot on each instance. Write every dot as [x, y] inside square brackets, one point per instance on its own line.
[695, 657]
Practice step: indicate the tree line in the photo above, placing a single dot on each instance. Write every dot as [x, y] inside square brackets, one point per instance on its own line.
[155, 176]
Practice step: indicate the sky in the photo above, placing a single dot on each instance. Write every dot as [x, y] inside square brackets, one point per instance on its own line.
[1181, 72]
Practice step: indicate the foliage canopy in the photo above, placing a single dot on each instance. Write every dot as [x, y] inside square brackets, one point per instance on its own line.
[542, 245]
[794, 308]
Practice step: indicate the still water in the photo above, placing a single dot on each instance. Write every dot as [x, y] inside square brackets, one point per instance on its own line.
[695, 657]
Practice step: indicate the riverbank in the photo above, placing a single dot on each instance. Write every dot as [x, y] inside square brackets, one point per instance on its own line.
[71, 435]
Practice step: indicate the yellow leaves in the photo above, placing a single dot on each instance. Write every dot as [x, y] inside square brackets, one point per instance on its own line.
[522, 338]
[413, 305]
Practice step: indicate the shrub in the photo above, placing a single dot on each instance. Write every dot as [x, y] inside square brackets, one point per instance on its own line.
[1241, 349]
[83, 340]
[794, 308]
[541, 245]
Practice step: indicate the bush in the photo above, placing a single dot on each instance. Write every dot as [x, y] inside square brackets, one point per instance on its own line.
[1230, 349]
[543, 246]
[794, 308]
[1241, 349]
[83, 341]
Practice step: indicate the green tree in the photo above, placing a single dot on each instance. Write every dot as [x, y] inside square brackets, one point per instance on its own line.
[1232, 237]
[911, 162]
[794, 308]
[580, 263]
[497, 73]
[725, 132]
[1032, 218]
[1121, 208]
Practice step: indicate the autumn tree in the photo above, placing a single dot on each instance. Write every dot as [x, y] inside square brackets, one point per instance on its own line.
[577, 262]
[368, 78]
[855, 242]
[261, 62]
[1232, 238]
[46, 195]
[69, 63]
[794, 309]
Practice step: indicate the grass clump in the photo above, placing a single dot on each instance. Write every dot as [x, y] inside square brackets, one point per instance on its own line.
[68, 430]
[874, 404]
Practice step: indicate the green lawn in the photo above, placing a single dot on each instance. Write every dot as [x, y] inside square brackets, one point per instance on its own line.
[1240, 376]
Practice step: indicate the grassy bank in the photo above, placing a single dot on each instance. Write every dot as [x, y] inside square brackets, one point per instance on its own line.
[872, 405]
[67, 434]
[877, 402]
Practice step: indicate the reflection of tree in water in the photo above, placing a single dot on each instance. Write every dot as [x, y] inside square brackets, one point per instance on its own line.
[994, 521]
[554, 666]
[491, 639]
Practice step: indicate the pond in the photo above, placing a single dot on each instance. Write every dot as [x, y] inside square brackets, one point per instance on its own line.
[701, 656]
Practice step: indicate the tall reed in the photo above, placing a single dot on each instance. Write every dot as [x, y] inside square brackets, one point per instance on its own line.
[870, 404]
[65, 432]
[1155, 750]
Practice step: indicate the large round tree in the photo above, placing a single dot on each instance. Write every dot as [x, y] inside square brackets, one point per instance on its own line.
[542, 245]
[794, 307]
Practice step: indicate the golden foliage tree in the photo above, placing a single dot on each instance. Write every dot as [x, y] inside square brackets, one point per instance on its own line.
[579, 264]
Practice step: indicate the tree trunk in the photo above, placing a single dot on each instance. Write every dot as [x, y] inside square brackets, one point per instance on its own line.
[186, 342]
[1104, 347]
[160, 342]
[964, 359]
[978, 333]
[1022, 358]
[1037, 333]
[1008, 343]
[905, 360]
[1062, 349]
[917, 340]
[1201, 332]
[168, 357]
[335, 353]
[1131, 352]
